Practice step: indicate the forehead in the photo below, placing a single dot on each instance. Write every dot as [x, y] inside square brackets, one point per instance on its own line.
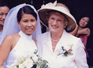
[87, 18]
[27, 16]
[4, 8]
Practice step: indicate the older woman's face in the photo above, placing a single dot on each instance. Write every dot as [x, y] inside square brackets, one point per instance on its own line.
[83, 21]
[3, 12]
[56, 22]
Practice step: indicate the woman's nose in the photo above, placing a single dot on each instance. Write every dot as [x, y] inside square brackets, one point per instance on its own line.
[4, 16]
[29, 24]
[55, 22]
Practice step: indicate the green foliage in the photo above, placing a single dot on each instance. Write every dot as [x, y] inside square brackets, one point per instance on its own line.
[66, 53]
[41, 63]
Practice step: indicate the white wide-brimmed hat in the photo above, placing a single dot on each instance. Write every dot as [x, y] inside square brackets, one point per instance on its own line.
[57, 7]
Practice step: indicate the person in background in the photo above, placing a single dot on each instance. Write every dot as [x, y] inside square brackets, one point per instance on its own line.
[60, 48]
[20, 35]
[4, 9]
[83, 31]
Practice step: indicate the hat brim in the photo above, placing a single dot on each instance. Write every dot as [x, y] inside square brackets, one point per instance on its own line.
[42, 13]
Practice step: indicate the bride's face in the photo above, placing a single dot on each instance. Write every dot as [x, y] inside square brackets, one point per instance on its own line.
[28, 23]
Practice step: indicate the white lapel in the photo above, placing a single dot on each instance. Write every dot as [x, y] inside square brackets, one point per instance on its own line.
[62, 41]
[47, 41]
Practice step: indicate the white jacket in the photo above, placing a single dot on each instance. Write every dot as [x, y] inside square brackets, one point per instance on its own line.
[77, 60]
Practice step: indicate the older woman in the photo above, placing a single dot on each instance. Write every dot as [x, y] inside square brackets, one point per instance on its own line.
[61, 49]
[83, 31]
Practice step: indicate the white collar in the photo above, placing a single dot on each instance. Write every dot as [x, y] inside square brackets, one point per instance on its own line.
[62, 40]
[22, 34]
[49, 36]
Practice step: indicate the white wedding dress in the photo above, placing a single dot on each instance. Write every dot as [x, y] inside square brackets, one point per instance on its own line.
[24, 45]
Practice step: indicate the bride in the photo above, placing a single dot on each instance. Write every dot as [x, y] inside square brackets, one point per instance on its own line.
[20, 35]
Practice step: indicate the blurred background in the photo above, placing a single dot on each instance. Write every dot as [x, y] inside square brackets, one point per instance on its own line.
[77, 9]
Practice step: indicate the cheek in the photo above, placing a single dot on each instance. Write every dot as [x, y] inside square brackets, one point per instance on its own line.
[62, 24]
[86, 24]
[80, 23]
[34, 24]
[49, 22]
[22, 25]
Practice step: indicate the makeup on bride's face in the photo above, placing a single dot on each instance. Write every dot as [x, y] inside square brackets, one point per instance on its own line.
[28, 23]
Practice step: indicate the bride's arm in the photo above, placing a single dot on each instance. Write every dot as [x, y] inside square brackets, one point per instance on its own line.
[5, 48]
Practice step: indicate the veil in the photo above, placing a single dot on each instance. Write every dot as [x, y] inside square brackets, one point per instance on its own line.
[11, 26]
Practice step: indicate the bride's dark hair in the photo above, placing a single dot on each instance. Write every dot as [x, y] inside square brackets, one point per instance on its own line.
[25, 10]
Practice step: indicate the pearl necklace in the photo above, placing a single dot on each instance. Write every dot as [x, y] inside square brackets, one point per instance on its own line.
[54, 40]
[53, 47]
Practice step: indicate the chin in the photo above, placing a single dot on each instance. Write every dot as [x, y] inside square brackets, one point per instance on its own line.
[54, 31]
[28, 34]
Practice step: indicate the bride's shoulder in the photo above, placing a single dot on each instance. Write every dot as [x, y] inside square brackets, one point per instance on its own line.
[9, 40]
[12, 37]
